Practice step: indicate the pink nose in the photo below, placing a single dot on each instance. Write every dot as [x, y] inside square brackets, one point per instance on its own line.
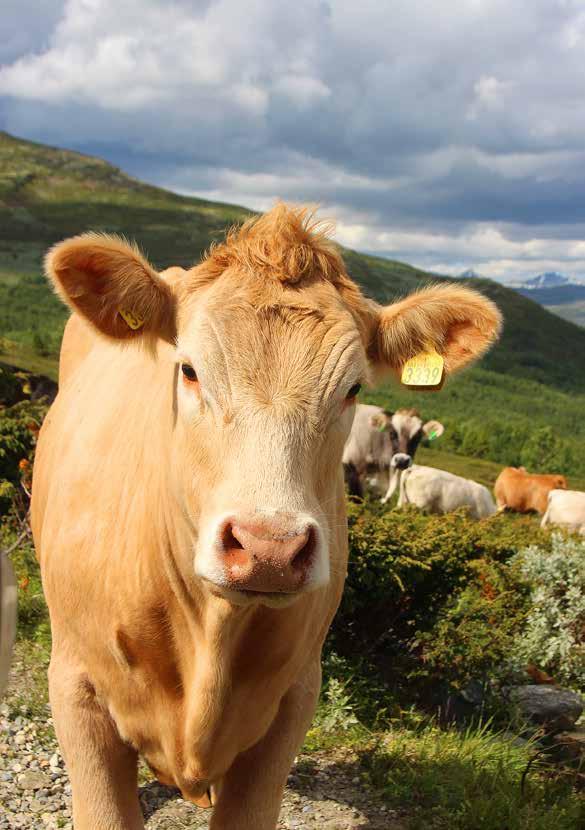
[260, 555]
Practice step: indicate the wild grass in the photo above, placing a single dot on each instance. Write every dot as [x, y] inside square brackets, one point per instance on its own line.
[437, 778]
[469, 780]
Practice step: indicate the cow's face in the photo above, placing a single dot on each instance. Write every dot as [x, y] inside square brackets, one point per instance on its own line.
[405, 430]
[271, 342]
[265, 401]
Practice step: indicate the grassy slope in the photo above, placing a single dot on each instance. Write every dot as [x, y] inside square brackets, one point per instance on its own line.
[573, 312]
[478, 469]
[47, 194]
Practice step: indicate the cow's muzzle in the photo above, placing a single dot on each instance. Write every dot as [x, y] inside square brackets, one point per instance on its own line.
[261, 555]
[401, 461]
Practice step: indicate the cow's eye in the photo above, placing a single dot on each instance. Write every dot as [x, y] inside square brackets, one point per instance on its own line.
[189, 372]
[355, 390]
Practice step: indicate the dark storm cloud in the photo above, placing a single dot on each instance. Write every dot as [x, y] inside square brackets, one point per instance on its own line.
[443, 133]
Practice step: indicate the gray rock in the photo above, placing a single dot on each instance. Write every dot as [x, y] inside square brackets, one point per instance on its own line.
[551, 706]
[33, 780]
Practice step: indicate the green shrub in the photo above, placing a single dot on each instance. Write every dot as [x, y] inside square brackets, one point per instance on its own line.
[553, 637]
[476, 631]
[415, 580]
[7, 496]
[19, 426]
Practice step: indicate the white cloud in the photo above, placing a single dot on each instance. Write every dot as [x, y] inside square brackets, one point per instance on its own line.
[449, 136]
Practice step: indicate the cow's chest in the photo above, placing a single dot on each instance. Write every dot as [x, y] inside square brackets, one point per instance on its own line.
[189, 719]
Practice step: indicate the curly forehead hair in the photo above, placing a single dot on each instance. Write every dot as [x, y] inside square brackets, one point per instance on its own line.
[288, 245]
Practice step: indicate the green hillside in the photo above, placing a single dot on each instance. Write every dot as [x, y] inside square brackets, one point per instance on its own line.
[533, 378]
[47, 194]
[574, 312]
[492, 416]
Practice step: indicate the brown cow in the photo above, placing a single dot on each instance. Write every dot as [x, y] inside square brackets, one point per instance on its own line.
[188, 504]
[523, 492]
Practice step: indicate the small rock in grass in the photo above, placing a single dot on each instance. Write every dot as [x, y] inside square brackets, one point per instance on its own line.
[554, 707]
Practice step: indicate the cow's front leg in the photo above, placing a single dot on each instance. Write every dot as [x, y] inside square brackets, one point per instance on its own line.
[251, 792]
[102, 768]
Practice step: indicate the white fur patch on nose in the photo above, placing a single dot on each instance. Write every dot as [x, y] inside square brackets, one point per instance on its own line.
[401, 460]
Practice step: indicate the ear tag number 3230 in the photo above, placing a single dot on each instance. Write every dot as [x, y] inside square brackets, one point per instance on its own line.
[425, 371]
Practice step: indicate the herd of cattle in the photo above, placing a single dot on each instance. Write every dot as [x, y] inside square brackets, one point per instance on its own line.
[379, 454]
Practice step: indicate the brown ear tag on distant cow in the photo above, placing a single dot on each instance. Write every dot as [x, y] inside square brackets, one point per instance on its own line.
[425, 372]
[132, 320]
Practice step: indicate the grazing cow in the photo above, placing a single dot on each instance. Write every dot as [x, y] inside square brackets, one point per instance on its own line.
[188, 504]
[523, 492]
[567, 508]
[382, 441]
[437, 491]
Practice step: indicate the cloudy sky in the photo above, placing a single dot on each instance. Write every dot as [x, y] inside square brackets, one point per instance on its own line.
[446, 134]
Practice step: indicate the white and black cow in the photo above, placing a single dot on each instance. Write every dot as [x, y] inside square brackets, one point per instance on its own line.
[383, 442]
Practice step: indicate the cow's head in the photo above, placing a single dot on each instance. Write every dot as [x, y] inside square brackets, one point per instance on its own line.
[271, 342]
[405, 430]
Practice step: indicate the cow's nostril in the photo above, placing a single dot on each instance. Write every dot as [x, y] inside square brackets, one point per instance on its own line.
[304, 557]
[229, 541]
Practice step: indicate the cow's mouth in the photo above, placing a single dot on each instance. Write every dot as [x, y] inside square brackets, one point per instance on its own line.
[245, 596]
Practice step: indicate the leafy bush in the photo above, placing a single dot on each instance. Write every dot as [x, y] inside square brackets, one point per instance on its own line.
[429, 595]
[476, 631]
[19, 427]
[553, 635]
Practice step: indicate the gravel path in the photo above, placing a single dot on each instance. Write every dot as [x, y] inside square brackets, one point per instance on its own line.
[325, 790]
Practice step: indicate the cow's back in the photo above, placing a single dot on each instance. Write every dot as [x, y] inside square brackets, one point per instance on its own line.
[566, 507]
[438, 491]
[484, 504]
[524, 492]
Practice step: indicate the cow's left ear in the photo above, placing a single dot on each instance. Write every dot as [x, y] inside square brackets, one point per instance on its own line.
[380, 421]
[433, 429]
[460, 324]
[112, 285]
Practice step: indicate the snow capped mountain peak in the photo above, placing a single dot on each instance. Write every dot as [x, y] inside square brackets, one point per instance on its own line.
[551, 279]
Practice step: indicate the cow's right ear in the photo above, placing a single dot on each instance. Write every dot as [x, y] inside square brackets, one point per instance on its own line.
[112, 285]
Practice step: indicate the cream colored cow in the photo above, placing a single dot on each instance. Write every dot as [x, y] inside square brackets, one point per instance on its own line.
[188, 503]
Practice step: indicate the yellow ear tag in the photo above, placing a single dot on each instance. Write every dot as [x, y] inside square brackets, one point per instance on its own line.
[424, 371]
[132, 320]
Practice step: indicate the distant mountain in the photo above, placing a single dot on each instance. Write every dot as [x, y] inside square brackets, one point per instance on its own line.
[557, 293]
[551, 279]
[567, 300]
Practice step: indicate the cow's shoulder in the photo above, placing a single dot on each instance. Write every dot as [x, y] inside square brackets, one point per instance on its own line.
[78, 342]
